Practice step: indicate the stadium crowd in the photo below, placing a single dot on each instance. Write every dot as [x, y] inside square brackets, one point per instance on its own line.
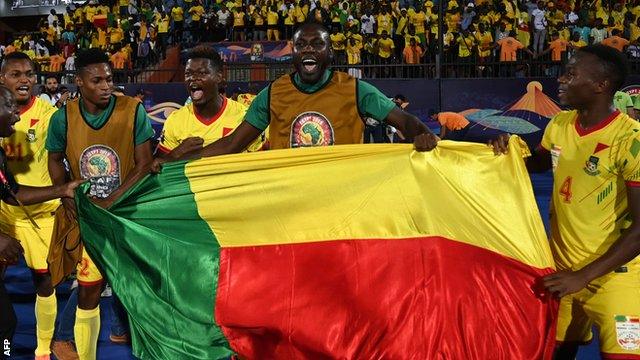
[136, 33]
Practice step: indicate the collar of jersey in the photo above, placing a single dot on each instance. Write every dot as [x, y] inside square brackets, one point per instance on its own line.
[29, 105]
[93, 117]
[310, 88]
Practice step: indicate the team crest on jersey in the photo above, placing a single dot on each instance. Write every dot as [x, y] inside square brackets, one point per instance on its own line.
[311, 129]
[628, 332]
[101, 165]
[591, 166]
[31, 135]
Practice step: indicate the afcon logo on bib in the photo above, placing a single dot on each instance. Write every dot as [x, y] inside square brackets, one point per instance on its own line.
[311, 129]
[101, 165]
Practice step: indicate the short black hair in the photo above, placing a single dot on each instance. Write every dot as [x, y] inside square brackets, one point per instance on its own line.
[614, 64]
[206, 52]
[51, 76]
[90, 57]
[16, 56]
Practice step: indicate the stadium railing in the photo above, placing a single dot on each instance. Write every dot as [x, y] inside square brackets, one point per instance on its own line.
[236, 72]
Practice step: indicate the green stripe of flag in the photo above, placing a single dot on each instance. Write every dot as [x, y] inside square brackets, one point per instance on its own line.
[172, 320]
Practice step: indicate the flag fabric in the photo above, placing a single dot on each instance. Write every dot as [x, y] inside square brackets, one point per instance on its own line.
[352, 252]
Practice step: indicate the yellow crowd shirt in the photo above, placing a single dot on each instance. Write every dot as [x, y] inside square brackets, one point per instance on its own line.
[28, 159]
[385, 46]
[177, 14]
[186, 122]
[591, 170]
[338, 41]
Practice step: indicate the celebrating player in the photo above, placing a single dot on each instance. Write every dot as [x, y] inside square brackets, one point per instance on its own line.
[106, 139]
[27, 160]
[594, 152]
[210, 116]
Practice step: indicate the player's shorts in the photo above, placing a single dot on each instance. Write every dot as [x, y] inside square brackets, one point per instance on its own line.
[612, 303]
[35, 242]
[88, 273]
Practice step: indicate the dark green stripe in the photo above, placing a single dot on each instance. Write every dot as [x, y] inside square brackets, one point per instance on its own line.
[170, 319]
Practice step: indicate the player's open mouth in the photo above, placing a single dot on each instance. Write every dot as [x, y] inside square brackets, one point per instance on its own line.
[23, 91]
[195, 92]
[310, 65]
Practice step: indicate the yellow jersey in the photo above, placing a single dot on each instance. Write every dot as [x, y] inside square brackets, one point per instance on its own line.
[246, 99]
[28, 160]
[591, 169]
[185, 122]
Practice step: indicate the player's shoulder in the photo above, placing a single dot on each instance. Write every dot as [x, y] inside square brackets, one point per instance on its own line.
[127, 100]
[179, 116]
[625, 121]
[565, 117]
[235, 106]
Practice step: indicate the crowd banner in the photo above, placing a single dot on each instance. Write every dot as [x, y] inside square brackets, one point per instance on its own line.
[353, 252]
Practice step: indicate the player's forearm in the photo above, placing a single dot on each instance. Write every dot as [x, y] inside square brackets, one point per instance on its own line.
[29, 195]
[414, 127]
[625, 249]
[224, 146]
[57, 171]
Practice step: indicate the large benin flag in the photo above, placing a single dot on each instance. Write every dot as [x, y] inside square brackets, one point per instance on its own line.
[351, 252]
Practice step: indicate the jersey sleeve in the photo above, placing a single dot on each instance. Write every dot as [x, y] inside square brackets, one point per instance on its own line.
[373, 103]
[258, 113]
[169, 139]
[143, 130]
[547, 141]
[57, 133]
[629, 160]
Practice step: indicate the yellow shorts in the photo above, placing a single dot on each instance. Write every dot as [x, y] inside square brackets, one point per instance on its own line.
[88, 273]
[34, 242]
[612, 303]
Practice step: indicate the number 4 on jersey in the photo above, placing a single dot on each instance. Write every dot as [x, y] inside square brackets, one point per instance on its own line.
[565, 189]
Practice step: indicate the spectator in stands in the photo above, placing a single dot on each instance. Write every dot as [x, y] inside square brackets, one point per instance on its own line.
[509, 47]
[196, 13]
[615, 41]
[177, 15]
[485, 45]
[354, 57]
[385, 52]
[259, 24]
[368, 22]
[598, 33]
[412, 55]
[338, 44]
[539, 27]
[163, 34]
[52, 93]
[273, 33]
[239, 23]
[557, 47]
